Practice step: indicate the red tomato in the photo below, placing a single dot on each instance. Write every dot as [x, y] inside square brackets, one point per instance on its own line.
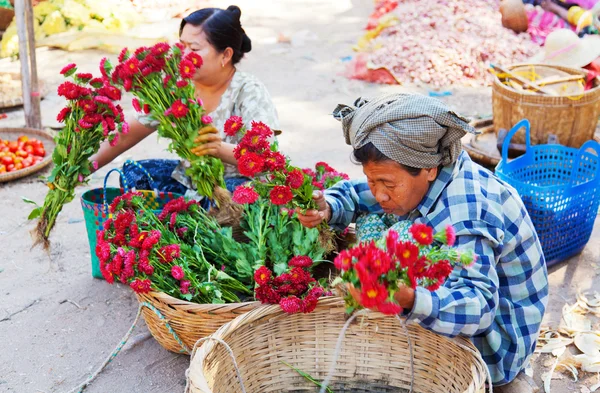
[13, 146]
[6, 160]
[27, 162]
[2, 169]
[23, 139]
[39, 151]
[22, 153]
[29, 149]
[18, 166]
[10, 168]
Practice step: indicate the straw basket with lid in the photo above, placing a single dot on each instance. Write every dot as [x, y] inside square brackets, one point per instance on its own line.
[374, 357]
[561, 106]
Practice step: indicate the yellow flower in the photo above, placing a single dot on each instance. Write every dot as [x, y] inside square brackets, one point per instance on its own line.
[54, 24]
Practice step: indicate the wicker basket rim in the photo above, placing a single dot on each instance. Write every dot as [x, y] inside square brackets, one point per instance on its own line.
[46, 139]
[191, 306]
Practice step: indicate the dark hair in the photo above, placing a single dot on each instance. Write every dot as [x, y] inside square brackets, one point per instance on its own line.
[369, 153]
[222, 28]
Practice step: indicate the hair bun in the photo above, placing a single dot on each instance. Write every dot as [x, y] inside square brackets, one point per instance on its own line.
[235, 10]
[246, 44]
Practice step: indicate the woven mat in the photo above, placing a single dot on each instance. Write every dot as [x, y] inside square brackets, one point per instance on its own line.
[14, 133]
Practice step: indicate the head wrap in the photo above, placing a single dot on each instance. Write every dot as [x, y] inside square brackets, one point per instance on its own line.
[413, 130]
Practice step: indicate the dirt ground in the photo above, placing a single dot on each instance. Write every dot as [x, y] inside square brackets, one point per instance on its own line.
[57, 323]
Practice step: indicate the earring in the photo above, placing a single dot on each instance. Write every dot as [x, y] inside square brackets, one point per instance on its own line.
[222, 65]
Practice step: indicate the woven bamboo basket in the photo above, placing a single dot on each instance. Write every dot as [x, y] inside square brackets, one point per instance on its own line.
[14, 133]
[375, 355]
[189, 321]
[572, 119]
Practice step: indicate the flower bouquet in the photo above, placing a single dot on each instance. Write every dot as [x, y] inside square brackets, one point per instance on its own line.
[160, 79]
[376, 270]
[324, 176]
[90, 118]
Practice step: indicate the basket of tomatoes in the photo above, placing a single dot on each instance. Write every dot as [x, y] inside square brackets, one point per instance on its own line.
[23, 151]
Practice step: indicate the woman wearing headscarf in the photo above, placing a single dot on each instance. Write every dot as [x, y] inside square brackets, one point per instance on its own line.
[416, 172]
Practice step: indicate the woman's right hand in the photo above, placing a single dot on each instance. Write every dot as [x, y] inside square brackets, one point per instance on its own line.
[312, 218]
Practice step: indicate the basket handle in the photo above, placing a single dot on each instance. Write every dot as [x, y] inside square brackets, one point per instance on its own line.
[511, 133]
[135, 164]
[587, 145]
[125, 187]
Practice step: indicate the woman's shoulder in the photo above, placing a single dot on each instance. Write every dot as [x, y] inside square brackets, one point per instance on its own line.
[248, 83]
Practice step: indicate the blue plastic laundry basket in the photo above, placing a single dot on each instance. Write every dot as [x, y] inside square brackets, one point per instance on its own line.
[560, 187]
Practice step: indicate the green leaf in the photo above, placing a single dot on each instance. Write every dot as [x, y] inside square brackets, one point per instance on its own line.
[35, 213]
[61, 150]
[187, 296]
[27, 200]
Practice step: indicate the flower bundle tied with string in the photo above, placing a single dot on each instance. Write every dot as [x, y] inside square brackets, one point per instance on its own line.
[160, 78]
[90, 117]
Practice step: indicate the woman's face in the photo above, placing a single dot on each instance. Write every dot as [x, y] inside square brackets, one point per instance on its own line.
[194, 40]
[395, 189]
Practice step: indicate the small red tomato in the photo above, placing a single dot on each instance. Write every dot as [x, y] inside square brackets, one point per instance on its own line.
[13, 146]
[6, 160]
[10, 168]
[22, 153]
[39, 151]
[23, 139]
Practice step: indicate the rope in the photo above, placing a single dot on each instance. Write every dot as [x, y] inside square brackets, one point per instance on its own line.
[81, 387]
[228, 348]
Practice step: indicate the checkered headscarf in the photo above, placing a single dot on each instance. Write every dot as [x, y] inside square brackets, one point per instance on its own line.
[413, 130]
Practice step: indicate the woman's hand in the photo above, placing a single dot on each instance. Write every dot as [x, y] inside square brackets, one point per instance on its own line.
[312, 218]
[209, 142]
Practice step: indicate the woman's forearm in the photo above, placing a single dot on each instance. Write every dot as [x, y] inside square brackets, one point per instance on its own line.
[225, 153]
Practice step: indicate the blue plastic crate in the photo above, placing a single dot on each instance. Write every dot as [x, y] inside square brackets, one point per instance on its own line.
[560, 187]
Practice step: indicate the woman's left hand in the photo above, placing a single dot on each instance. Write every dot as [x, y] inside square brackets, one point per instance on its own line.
[405, 296]
[209, 142]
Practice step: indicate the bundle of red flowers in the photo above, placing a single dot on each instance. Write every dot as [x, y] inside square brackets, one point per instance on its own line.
[294, 290]
[160, 79]
[377, 269]
[151, 252]
[90, 117]
[274, 177]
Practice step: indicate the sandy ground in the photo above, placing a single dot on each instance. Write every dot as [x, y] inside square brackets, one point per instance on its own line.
[66, 322]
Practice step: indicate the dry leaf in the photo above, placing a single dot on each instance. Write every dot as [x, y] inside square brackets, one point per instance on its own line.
[573, 322]
[569, 365]
[588, 363]
[548, 379]
[588, 343]
[554, 344]
[595, 387]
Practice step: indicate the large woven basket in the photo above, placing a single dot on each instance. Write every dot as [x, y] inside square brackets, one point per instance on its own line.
[375, 355]
[189, 321]
[572, 119]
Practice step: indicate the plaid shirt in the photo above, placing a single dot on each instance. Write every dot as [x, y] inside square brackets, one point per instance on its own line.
[499, 302]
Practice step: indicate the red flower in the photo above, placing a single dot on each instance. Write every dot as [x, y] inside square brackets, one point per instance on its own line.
[85, 77]
[295, 178]
[124, 52]
[69, 69]
[160, 49]
[141, 286]
[261, 129]
[274, 160]
[379, 262]
[181, 84]
[373, 294]
[179, 109]
[233, 125]
[97, 83]
[408, 253]
[177, 272]
[309, 172]
[103, 67]
[169, 253]
[291, 304]
[240, 151]
[319, 185]
[111, 92]
[187, 69]
[255, 140]
[140, 51]
[83, 124]
[262, 275]
[245, 195]
[151, 240]
[422, 233]
[392, 242]
[439, 271]
[88, 106]
[300, 261]
[131, 67]
[62, 115]
[309, 303]
[206, 119]
[195, 59]
[184, 286]
[146, 108]
[299, 276]
[251, 164]
[323, 167]
[281, 195]
[419, 267]
[166, 80]
[266, 295]
[450, 235]
[71, 91]
[343, 261]
[389, 308]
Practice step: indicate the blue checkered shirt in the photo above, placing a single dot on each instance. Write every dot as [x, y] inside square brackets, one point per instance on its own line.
[498, 302]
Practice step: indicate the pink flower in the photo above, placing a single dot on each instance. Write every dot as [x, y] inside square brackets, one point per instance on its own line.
[69, 69]
[62, 115]
[136, 105]
[141, 286]
[80, 178]
[184, 286]
[125, 128]
[244, 194]
[181, 84]
[206, 119]
[300, 261]
[291, 304]
[177, 272]
[95, 165]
